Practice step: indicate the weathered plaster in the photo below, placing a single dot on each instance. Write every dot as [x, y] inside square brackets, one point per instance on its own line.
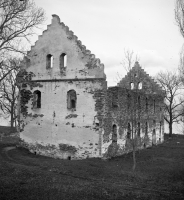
[53, 129]
[85, 130]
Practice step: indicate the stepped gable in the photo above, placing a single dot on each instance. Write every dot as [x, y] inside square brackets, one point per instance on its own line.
[94, 62]
[141, 76]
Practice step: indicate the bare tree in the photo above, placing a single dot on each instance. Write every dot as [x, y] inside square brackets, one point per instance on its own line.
[174, 100]
[135, 141]
[18, 20]
[179, 15]
[9, 92]
[128, 61]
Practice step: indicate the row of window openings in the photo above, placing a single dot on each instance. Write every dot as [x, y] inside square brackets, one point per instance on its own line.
[139, 86]
[139, 103]
[114, 131]
[62, 61]
[139, 129]
[71, 99]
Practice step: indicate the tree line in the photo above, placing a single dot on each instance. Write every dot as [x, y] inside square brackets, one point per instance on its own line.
[19, 20]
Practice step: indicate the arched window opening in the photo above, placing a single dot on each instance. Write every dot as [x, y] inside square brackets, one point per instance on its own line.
[139, 86]
[63, 61]
[138, 129]
[146, 104]
[154, 123]
[49, 61]
[37, 99]
[114, 133]
[71, 99]
[146, 128]
[128, 131]
[131, 86]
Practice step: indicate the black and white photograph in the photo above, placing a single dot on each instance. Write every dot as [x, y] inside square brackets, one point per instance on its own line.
[91, 99]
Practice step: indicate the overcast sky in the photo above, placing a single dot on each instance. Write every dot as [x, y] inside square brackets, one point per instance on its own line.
[107, 27]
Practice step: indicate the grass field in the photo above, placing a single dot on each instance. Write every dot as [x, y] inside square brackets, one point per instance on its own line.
[159, 174]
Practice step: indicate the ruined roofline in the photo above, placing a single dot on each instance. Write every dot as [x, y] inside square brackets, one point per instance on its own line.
[71, 36]
[138, 67]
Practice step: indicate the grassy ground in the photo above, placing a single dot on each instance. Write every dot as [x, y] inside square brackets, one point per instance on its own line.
[159, 175]
[6, 130]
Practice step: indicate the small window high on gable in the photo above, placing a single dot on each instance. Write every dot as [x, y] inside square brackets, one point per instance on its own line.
[131, 86]
[49, 61]
[139, 86]
[63, 61]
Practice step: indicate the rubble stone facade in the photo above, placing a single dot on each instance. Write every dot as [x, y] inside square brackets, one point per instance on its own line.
[66, 110]
[133, 110]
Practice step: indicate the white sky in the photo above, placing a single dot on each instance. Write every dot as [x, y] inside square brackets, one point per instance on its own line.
[107, 27]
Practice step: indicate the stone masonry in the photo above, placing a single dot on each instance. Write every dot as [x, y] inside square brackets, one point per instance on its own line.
[66, 110]
[133, 110]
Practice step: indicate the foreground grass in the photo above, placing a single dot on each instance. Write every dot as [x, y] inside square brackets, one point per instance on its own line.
[6, 130]
[159, 175]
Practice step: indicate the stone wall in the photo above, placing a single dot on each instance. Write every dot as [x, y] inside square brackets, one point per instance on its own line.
[66, 110]
[55, 128]
[140, 107]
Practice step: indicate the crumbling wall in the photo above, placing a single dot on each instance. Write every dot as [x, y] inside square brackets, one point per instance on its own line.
[133, 105]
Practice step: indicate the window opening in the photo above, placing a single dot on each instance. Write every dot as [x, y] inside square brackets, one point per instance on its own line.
[49, 61]
[132, 86]
[37, 99]
[128, 131]
[63, 60]
[138, 129]
[146, 128]
[71, 99]
[114, 133]
[139, 86]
